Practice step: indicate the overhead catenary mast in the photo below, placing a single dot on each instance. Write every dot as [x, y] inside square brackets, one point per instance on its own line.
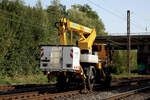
[129, 41]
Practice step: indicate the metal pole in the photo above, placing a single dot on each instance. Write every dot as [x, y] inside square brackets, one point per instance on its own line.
[129, 40]
[71, 37]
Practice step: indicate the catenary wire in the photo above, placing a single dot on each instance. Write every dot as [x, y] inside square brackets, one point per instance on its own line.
[133, 23]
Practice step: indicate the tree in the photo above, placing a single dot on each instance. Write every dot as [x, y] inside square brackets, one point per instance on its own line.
[91, 17]
[23, 29]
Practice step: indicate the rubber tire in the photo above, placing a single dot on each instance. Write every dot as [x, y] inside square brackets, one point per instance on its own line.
[90, 77]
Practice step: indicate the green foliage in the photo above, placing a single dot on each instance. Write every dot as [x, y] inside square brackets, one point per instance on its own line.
[18, 80]
[125, 75]
[23, 29]
[86, 9]
[120, 61]
[23, 36]
[86, 16]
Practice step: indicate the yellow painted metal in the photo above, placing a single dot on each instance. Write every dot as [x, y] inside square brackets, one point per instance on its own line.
[101, 51]
[82, 75]
[104, 54]
[71, 37]
[87, 35]
[99, 66]
[62, 32]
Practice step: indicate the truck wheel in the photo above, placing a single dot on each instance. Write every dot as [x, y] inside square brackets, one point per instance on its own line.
[61, 83]
[90, 77]
[108, 79]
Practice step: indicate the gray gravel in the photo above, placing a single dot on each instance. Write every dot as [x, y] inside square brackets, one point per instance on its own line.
[139, 96]
[102, 95]
[90, 96]
[99, 95]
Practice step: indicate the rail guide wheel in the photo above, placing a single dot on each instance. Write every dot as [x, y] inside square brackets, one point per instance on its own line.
[90, 77]
[61, 82]
[108, 78]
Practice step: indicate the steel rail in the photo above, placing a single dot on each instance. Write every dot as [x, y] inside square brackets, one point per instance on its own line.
[125, 94]
[19, 96]
[38, 96]
[8, 90]
[54, 96]
[14, 87]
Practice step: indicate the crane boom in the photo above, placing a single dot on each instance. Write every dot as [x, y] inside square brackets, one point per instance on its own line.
[87, 35]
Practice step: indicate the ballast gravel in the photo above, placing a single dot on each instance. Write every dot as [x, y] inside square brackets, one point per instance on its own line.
[100, 95]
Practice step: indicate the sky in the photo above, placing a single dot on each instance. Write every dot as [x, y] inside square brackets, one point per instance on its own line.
[113, 13]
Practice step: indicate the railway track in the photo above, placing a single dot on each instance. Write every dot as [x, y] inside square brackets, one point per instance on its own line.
[38, 96]
[116, 81]
[33, 92]
[36, 92]
[17, 87]
[125, 94]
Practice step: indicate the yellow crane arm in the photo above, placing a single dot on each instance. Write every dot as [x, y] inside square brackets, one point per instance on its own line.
[87, 35]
